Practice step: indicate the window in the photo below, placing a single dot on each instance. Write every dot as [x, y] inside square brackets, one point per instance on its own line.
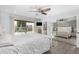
[30, 27]
[23, 26]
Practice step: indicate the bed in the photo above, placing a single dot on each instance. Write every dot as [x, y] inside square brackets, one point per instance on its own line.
[64, 32]
[31, 43]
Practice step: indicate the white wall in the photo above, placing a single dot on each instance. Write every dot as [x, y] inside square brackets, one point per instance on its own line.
[77, 41]
[5, 22]
[37, 27]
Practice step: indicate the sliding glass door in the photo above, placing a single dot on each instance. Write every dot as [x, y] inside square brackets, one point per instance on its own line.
[22, 27]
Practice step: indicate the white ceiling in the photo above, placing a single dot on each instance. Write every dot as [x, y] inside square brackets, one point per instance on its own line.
[22, 9]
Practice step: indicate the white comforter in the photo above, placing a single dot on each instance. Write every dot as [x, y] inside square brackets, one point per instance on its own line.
[27, 44]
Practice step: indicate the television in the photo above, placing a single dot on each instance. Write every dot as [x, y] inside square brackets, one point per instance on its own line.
[39, 23]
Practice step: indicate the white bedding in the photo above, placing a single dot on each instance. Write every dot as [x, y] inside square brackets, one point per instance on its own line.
[64, 32]
[31, 43]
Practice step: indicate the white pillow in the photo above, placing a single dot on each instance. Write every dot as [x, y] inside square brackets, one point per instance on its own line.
[1, 29]
[5, 44]
[6, 38]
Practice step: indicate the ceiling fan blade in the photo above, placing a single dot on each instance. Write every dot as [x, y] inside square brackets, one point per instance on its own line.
[44, 13]
[45, 10]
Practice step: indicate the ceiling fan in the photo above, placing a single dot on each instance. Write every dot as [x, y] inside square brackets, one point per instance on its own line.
[41, 10]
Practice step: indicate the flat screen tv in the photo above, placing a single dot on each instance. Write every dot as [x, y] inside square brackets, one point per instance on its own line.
[39, 23]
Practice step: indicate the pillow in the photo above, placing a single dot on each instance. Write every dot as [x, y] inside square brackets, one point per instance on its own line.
[5, 44]
[7, 38]
[6, 41]
[1, 29]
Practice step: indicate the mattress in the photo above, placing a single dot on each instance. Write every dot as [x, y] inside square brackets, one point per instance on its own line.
[31, 43]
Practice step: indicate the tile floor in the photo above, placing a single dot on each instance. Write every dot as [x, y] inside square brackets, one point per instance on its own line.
[64, 46]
